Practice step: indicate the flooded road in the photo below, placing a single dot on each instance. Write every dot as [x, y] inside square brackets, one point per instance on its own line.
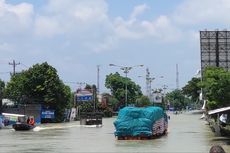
[186, 134]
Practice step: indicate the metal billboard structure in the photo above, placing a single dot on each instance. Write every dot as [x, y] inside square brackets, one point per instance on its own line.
[215, 49]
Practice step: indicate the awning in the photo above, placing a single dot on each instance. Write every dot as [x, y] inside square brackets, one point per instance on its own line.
[15, 115]
[219, 110]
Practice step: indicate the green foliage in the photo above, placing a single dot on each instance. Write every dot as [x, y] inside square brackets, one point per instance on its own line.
[40, 84]
[112, 102]
[2, 87]
[88, 87]
[177, 99]
[216, 85]
[87, 106]
[212, 105]
[108, 112]
[116, 83]
[192, 89]
[143, 101]
[109, 102]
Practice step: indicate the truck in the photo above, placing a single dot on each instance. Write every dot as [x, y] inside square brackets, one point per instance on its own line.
[134, 123]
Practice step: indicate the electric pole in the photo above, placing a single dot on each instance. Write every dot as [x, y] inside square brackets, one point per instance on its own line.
[98, 71]
[14, 64]
[177, 77]
[148, 92]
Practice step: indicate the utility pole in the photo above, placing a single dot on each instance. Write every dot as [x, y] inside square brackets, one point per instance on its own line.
[149, 81]
[126, 70]
[177, 77]
[14, 64]
[98, 71]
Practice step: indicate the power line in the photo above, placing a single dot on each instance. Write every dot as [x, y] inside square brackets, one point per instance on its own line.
[78, 83]
[4, 72]
[24, 65]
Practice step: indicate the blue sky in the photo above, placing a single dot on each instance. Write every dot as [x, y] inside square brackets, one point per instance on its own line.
[75, 36]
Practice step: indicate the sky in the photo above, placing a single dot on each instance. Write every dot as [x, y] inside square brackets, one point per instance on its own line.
[75, 36]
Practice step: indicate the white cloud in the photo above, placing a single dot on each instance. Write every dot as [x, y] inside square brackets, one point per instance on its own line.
[85, 21]
[47, 26]
[71, 16]
[193, 12]
[161, 28]
[138, 10]
[15, 18]
[125, 29]
[73, 30]
[88, 21]
[108, 43]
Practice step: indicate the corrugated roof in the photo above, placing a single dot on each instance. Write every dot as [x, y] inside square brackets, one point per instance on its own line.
[219, 110]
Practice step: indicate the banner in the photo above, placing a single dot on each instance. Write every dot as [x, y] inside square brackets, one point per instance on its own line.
[48, 114]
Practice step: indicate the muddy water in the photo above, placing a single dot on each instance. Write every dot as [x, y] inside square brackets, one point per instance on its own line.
[186, 134]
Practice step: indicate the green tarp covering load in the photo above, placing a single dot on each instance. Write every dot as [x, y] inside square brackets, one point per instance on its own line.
[134, 121]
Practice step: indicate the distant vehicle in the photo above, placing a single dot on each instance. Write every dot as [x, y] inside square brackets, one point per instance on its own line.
[8, 119]
[17, 121]
[171, 108]
[91, 118]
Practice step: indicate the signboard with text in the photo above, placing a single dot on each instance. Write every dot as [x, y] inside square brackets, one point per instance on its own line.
[48, 114]
[83, 96]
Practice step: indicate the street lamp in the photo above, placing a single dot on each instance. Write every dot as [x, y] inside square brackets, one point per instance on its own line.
[126, 70]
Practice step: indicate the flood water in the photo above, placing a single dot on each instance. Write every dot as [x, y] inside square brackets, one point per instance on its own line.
[186, 134]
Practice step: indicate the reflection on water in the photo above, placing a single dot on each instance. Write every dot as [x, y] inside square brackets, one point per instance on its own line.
[186, 134]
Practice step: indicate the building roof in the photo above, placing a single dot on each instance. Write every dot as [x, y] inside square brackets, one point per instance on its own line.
[219, 110]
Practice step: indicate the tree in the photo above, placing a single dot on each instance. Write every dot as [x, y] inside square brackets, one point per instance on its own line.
[88, 87]
[40, 84]
[116, 83]
[143, 101]
[216, 85]
[2, 87]
[89, 105]
[192, 89]
[110, 101]
[176, 99]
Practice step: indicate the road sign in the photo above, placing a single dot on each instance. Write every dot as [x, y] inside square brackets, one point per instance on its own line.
[84, 95]
[48, 114]
[84, 98]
